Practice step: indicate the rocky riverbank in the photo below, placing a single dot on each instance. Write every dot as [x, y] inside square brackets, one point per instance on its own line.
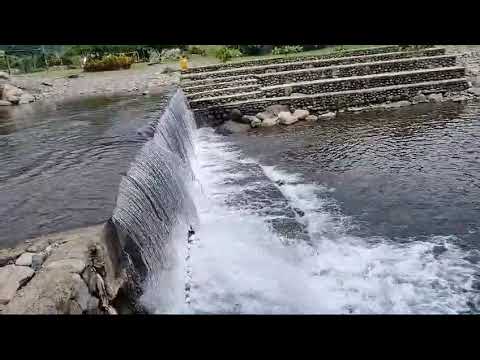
[66, 85]
[73, 272]
[284, 115]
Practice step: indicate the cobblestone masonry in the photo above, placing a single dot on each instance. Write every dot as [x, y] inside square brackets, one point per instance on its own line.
[332, 101]
[289, 66]
[364, 82]
[219, 85]
[356, 69]
[224, 91]
[278, 60]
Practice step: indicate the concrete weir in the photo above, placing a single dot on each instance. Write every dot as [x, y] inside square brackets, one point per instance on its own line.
[321, 83]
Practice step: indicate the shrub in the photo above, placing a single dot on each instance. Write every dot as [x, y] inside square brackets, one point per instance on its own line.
[287, 49]
[109, 62]
[197, 51]
[226, 53]
[170, 54]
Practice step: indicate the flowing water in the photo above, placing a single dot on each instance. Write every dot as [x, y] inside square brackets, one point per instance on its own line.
[367, 213]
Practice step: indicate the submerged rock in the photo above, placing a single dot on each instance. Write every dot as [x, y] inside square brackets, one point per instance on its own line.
[232, 127]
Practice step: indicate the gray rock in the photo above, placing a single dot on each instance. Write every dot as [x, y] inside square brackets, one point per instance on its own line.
[5, 103]
[311, 118]
[145, 92]
[474, 91]
[286, 118]
[73, 76]
[69, 265]
[8, 256]
[11, 278]
[301, 114]
[435, 97]
[271, 121]
[81, 294]
[89, 276]
[459, 98]
[327, 115]
[420, 98]
[24, 260]
[11, 93]
[236, 115]
[38, 259]
[4, 75]
[256, 122]
[93, 306]
[46, 83]
[26, 98]
[397, 104]
[277, 109]
[247, 119]
[232, 127]
[264, 115]
[39, 245]
[288, 91]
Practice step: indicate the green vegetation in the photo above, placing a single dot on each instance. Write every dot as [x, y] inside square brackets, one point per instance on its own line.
[287, 49]
[109, 62]
[224, 54]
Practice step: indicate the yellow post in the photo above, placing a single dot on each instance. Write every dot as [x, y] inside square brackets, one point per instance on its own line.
[183, 63]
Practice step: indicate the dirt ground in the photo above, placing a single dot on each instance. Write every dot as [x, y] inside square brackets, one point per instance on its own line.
[57, 85]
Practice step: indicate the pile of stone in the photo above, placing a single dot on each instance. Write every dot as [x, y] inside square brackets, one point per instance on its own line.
[12, 95]
[66, 273]
[273, 115]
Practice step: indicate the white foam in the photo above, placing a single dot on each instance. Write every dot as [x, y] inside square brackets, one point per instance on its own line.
[240, 265]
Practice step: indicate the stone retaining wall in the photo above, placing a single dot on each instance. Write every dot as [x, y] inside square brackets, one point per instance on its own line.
[331, 101]
[223, 92]
[223, 100]
[356, 69]
[218, 85]
[278, 60]
[364, 82]
[289, 66]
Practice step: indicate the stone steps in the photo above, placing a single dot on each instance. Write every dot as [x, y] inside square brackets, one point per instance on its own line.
[349, 70]
[296, 65]
[364, 82]
[226, 95]
[187, 83]
[331, 100]
[218, 85]
[277, 59]
[224, 92]
[225, 99]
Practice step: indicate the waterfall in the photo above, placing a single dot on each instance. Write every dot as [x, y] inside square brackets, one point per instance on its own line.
[155, 209]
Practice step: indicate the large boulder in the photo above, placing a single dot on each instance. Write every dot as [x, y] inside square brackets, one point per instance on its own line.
[26, 98]
[11, 93]
[286, 118]
[5, 103]
[236, 115]
[4, 75]
[301, 114]
[11, 278]
[25, 259]
[232, 127]
[271, 121]
[435, 97]
[277, 109]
